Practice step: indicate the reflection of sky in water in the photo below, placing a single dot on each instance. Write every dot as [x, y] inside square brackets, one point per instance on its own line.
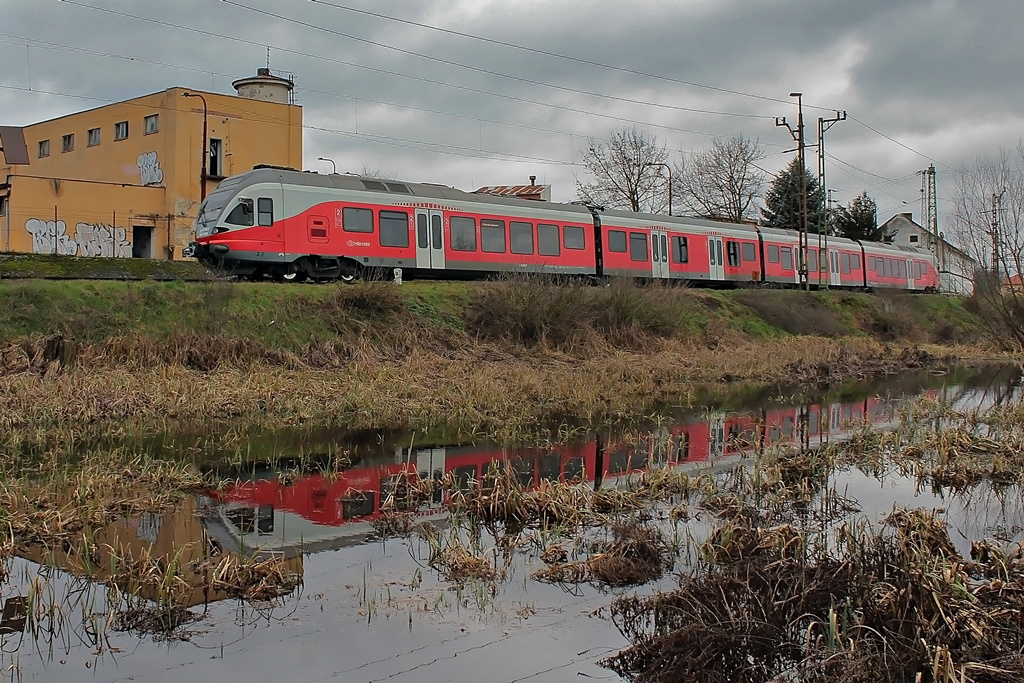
[978, 513]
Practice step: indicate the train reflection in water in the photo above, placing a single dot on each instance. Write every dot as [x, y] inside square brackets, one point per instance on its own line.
[318, 512]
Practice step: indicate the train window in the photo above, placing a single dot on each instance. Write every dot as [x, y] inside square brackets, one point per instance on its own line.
[787, 258]
[617, 241]
[549, 467]
[871, 263]
[492, 236]
[638, 246]
[573, 237]
[358, 504]
[422, 238]
[903, 268]
[773, 253]
[680, 249]
[547, 240]
[749, 253]
[732, 250]
[394, 229]
[435, 231]
[265, 211]
[823, 261]
[522, 237]
[845, 260]
[855, 261]
[463, 233]
[356, 220]
[241, 214]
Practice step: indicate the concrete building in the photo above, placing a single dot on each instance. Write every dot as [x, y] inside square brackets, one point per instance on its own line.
[956, 268]
[126, 179]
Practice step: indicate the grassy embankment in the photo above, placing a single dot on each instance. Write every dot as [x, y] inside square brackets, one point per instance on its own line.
[498, 357]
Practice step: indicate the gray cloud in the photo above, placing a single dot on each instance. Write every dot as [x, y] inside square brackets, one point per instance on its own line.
[941, 77]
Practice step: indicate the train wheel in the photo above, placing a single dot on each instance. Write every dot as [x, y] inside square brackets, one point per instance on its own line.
[349, 274]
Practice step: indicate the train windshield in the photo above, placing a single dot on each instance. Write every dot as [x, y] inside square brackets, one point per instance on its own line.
[209, 212]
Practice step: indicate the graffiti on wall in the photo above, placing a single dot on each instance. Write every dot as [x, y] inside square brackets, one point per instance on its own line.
[149, 169]
[91, 239]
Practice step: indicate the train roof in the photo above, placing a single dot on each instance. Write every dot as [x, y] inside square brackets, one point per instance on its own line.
[397, 189]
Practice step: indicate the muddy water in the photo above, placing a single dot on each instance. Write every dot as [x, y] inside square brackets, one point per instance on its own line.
[372, 611]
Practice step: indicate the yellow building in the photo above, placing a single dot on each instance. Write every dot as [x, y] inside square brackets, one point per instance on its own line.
[124, 180]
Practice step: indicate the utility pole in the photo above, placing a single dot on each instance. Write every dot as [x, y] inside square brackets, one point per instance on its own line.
[997, 200]
[798, 135]
[823, 125]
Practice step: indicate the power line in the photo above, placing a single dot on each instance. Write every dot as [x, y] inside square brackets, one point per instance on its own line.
[546, 53]
[489, 72]
[906, 147]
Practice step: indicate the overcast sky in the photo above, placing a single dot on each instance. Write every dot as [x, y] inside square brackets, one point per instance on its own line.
[477, 92]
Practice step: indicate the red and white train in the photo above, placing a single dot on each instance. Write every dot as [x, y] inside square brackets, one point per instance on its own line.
[288, 224]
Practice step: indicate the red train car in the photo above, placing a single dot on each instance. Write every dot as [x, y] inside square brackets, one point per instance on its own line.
[292, 225]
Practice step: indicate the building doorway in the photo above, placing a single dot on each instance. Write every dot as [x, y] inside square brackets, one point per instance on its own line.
[142, 241]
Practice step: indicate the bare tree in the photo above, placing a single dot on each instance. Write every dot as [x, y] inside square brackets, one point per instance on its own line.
[988, 222]
[722, 182]
[627, 173]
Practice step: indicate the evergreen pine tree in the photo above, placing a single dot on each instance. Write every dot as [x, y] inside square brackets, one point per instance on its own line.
[859, 220]
[782, 201]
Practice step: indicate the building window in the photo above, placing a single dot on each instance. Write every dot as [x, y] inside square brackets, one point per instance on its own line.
[44, 148]
[3, 205]
[93, 137]
[67, 143]
[216, 158]
[914, 239]
[151, 124]
[121, 130]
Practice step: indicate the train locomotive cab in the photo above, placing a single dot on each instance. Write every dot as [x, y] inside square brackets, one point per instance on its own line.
[238, 228]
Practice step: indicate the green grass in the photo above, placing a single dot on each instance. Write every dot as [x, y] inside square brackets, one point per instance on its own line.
[294, 318]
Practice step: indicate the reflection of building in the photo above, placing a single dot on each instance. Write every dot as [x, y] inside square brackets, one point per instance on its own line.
[956, 268]
[123, 180]
[179, 536]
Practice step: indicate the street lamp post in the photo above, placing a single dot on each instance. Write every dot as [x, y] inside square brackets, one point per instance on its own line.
[669, 169]
[334, 167]
[202, 172]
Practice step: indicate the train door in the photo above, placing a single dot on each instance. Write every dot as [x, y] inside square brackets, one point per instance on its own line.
[715, 258]
[429, 239]
[834, 274]
[910, 274]
[659, 253]
[430, 466]
[716, 434]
